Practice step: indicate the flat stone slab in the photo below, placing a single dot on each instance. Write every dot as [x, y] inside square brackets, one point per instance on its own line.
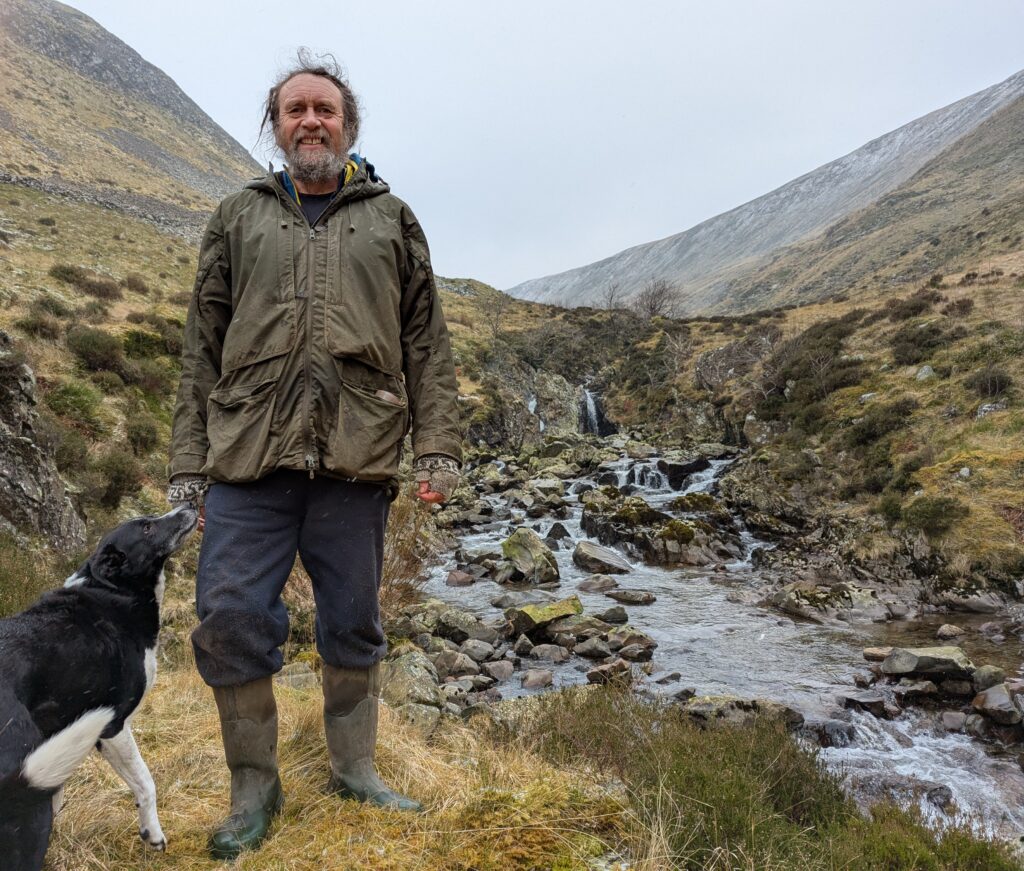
[632, 597]
[939, 661]
[537, 678]
[531, 617]
[597, 584]
[595, 558]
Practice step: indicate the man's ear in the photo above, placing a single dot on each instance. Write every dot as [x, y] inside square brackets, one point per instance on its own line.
[107, 564]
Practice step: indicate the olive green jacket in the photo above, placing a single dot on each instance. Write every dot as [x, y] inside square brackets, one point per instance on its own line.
[313, 348]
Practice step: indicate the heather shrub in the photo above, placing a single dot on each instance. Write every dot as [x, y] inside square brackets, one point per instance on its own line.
[143, 433]
[934, 515]
[76, 402]
[989, 383]
[96, 349]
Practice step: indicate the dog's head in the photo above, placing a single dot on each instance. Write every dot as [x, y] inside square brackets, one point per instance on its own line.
[133, 555]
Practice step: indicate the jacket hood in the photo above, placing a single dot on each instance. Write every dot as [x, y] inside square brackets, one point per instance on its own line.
[359, 181]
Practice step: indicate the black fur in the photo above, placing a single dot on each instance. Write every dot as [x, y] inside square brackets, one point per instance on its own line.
[77, 649]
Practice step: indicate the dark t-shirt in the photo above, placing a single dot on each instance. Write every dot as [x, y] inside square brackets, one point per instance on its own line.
[314, 205]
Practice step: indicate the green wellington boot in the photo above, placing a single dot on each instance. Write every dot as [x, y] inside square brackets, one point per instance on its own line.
[248, 725]
[350, 722]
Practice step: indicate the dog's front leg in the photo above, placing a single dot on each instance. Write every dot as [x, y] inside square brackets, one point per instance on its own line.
[122, 753]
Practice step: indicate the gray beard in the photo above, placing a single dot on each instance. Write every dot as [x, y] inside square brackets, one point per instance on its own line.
[316, 168]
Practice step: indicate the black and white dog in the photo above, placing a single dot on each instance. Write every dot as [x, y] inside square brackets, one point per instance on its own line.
[73, 669]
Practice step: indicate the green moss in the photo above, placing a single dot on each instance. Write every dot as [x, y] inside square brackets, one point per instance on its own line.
[694, 502]
[677, 530]
[635, 512]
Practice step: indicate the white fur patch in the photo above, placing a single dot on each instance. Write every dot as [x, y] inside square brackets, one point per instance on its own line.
[150, 666]
[54, 761]
[76, 580]
[161, 585]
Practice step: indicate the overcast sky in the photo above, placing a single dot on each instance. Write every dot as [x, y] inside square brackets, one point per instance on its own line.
[531, 137]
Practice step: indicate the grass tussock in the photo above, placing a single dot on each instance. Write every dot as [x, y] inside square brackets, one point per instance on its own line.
[725, 798]
[489, 807]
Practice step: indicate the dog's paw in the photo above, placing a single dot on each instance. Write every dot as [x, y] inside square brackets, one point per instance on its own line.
[154, 839]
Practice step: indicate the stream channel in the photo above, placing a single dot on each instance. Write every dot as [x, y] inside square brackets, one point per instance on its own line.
[708, 630]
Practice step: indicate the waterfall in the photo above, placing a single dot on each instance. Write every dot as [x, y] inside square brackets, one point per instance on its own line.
[591, 423]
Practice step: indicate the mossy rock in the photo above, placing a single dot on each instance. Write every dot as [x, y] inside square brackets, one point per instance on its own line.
[694, 502]
[636, 512]
[677, 530]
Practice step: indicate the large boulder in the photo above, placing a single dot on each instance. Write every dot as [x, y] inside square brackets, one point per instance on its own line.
[530, 556]
[530, 618]
[733, 711]
[599, 559]
[997, 704]
[409, 678]
[33, 498]
[942, 662]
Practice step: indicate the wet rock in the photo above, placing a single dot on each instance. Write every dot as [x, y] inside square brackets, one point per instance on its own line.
[987, 676]
[632, 597]
[523, 646]
[948, 631]
[677, 467]
[597, 584]
[978, 726]
[531, 557]
[665, 679]
[547, 486]
[624, 636]
[459, 579]
[971, 601]
[864, 679]
[872, 702]
[593, 648]
[478, 651]
[941, 797]
[733, 711]
[409, 677]
[558, 532]
[501, 670]
[996, 704]
[831, 733]
[454, 664]
[616, 615]
[685, 694]
[953, 721]
[461, 625]
[827, 602]
[636, 653]
[537, 678]
[530, 618]
[910, 690]
[611, 672]
[523, 597]
[580, 627]
[940, 662]
[549, 653]
[960, 688]
[595, 558]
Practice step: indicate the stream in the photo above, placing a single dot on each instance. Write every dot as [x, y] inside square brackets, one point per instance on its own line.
[709, 630]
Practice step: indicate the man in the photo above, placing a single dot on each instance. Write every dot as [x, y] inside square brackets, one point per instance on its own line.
[314, 339]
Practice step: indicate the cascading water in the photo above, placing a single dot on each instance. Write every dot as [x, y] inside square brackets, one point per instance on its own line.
[592, 424]
[710, 631]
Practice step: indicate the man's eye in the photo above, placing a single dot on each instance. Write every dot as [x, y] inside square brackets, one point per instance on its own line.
[296, 111]
[325, 111]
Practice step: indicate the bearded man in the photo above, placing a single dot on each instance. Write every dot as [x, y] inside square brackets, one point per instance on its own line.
[314, 341]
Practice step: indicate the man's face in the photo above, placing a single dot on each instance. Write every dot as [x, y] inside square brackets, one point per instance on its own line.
[310, 128]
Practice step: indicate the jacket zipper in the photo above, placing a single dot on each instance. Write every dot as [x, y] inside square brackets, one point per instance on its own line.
[312, 461]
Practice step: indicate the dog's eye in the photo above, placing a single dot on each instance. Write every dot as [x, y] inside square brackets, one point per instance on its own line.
[147, 528]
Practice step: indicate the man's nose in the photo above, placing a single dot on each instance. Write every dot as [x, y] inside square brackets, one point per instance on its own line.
[309, 118]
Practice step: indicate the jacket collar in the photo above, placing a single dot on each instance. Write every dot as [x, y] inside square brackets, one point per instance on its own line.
[359, 181]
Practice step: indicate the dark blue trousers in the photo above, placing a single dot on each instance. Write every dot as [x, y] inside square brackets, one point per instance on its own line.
[253, 533]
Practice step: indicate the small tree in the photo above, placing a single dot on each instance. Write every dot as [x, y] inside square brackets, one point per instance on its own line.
[611, 297]
[656, 299]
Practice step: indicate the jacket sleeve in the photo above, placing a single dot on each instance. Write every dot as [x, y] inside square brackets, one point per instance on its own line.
[426, 353]
[209, 313]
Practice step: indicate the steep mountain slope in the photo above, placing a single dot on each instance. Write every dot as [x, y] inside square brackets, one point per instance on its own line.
[964, 206]
[705, 259]
[82, 114]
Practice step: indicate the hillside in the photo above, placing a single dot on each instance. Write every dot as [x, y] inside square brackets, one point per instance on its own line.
[731, 250]
[83, 115]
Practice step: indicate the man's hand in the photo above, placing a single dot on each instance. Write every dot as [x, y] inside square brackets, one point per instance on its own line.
[187, 489]
[437, 476]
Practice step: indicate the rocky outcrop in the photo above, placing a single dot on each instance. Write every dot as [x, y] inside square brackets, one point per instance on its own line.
[33, 497]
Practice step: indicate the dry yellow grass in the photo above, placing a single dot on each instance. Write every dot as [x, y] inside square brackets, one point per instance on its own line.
[488, 807]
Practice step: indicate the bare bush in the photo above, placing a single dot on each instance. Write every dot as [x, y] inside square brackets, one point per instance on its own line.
[656, 299]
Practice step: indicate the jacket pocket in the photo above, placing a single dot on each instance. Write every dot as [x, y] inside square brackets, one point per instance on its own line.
[239, 425]
[372, 421]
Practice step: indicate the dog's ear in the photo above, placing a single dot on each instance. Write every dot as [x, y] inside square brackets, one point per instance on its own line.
[106, 565]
